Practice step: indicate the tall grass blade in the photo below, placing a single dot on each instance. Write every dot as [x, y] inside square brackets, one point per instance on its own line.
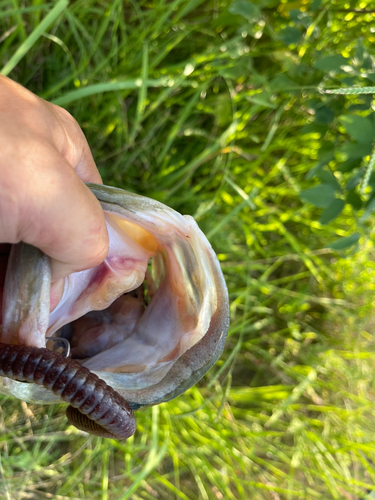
[24, 48]
[99, 88]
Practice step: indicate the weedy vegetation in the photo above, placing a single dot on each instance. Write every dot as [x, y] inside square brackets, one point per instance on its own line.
[219, 109]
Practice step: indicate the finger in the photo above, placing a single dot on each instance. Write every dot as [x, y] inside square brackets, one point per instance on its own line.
[74, 147]
[29, 114]
[51, 208]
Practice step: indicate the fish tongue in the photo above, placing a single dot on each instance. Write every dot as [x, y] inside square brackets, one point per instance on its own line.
[26, 298]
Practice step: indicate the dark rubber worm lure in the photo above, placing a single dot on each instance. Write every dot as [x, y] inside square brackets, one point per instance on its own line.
[94, 406]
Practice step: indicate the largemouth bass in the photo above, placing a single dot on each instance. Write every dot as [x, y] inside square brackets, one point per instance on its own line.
[149, 321]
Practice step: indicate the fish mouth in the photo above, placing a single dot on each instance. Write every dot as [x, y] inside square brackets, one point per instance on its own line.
[150, 320]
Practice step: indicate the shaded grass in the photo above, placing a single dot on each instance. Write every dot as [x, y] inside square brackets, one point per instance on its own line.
[179, 105]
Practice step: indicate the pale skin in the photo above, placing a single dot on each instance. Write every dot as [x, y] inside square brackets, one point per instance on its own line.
[44, 162]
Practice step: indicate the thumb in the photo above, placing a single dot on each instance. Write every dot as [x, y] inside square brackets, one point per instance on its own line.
[48, 206]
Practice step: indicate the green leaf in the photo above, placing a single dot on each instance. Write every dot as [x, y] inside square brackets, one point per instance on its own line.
[332, 211]
[320, 196]
[312, 128]
[354, 151]
[359, 128]
[346, 242]
[324, 115]
[327, 177]
[330, 63]
[289, 35]
[355, 180]
[354, 200]
[318, 167]
[263, 99]
[282, 82]
[315, 5]
[348, 165]
[246, 9]
[299, 17]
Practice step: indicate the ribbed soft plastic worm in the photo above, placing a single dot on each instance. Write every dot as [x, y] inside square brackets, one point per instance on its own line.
[94, 406]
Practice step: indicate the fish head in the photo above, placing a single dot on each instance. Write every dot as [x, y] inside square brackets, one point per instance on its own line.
[150, 320]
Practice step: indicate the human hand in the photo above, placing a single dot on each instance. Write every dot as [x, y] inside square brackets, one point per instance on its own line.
[44, 162]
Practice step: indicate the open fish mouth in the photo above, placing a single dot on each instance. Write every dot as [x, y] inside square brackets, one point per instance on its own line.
[150, 320]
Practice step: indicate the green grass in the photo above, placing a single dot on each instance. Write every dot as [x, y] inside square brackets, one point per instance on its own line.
[216, 109]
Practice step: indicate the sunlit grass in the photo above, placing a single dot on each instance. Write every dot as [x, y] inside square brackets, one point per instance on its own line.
[187, 103]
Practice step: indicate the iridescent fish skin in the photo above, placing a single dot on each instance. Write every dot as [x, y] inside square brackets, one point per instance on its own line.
[149, 351]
